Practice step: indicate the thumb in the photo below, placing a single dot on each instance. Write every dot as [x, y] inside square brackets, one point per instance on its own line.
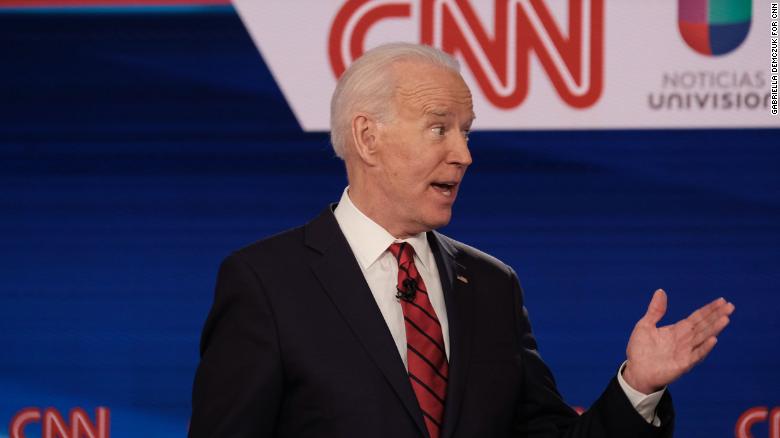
[657, 307]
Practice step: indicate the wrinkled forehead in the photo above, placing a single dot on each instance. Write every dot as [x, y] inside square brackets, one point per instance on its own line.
[424, 88]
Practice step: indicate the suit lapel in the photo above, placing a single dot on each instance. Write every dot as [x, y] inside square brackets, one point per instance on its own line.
[341, 277]
[458, 296]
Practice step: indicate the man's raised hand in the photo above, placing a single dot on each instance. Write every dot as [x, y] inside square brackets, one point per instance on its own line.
[657, 356]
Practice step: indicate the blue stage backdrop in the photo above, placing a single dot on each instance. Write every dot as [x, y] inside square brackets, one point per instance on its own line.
[138, 147]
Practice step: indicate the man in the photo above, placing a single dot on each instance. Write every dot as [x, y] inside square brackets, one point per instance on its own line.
[367, 323]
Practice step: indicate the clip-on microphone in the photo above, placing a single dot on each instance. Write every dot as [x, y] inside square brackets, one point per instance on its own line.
[409, 290]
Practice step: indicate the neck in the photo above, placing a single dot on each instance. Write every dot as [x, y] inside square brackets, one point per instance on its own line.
[375, 208]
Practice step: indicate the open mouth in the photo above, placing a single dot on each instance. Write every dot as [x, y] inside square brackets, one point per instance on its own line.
[445, 188]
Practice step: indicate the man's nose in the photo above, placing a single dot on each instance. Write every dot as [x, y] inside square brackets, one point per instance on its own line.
[459, 153]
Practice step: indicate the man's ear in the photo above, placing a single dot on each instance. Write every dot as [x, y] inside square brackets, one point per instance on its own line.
[365, 137]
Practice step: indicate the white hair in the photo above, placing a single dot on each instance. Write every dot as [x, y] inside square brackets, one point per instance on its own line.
[368, 85]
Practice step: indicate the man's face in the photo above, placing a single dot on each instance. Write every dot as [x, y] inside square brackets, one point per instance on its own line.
[423, 148]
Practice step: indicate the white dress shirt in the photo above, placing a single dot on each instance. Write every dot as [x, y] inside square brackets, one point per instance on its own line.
[370, 242]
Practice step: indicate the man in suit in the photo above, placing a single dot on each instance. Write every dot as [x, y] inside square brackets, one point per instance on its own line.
[365, 322]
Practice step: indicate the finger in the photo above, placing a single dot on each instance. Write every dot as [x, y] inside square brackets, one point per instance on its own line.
[713, 329]
[712, 324]
[715, 315]
[657, 307]
[703, 350]
[703, 312]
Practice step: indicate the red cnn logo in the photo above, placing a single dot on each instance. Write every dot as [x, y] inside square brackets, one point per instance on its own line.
[499, 60]
[54, 426]
[758, 414]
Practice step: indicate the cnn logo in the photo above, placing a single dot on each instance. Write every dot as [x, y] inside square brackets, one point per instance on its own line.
[755, 415]
[53, 425]
[571, 55]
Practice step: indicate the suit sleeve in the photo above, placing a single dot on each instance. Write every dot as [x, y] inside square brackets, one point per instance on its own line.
[238, 384]
[542, 413]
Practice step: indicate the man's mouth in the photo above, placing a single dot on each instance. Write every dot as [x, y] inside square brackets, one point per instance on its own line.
[445, 188]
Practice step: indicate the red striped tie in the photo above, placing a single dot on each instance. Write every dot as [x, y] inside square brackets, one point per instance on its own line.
[428, 368]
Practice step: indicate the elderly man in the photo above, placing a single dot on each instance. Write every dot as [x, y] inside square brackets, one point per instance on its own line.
[365, 322]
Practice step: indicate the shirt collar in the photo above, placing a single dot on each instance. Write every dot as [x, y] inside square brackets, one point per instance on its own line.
[369, 240]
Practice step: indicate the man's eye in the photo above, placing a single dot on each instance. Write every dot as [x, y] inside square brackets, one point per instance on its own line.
[466, 134]
[439, 130]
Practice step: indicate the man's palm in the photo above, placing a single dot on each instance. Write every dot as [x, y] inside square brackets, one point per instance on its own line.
[657, 356]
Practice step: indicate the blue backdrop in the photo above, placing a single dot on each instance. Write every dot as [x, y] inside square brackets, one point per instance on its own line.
[139, 147]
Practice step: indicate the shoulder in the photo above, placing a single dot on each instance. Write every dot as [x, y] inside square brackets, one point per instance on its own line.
[274, 246]
[473, 258]
[292, 247]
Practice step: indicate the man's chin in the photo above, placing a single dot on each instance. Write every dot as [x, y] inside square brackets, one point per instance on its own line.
[441, 219]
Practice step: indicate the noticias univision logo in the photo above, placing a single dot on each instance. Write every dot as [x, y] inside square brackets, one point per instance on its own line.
[714, 27]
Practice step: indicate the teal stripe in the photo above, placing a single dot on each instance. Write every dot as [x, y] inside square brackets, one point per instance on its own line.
[729, 11]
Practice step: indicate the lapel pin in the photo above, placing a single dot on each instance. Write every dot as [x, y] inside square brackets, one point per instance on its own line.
[463, 279]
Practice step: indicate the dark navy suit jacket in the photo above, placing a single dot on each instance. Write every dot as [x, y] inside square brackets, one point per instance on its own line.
[295, 346]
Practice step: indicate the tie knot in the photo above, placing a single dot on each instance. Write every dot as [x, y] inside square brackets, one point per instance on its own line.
[403, 252]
